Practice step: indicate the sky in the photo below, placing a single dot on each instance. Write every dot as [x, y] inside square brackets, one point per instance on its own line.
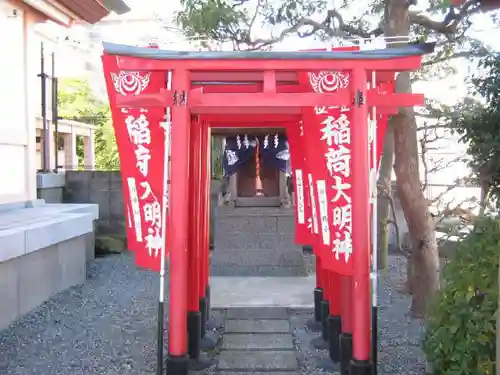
[450, 91]
[482, 26]
[161, 29]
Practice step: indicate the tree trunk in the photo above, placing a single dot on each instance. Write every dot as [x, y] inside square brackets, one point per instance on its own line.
[498, 330]
[384, 191]
[425, 258]
[485, 184]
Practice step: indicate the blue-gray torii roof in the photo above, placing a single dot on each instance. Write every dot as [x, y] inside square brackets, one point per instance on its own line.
[160, 54]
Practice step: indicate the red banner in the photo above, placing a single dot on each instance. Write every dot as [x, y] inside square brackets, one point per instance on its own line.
[141, 148]
[311, 158]
[304, 234]
[330, 139]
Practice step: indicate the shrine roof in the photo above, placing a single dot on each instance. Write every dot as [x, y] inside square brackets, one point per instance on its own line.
[159, 54]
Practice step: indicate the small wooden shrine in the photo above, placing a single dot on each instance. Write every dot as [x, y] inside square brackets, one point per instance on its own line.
[256, 163]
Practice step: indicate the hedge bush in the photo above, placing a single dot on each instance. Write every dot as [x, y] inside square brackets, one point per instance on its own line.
[460, 331]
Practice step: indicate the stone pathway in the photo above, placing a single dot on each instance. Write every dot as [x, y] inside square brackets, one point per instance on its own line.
[257, 340]
[108, 325]
[256, 242]
[295, 292]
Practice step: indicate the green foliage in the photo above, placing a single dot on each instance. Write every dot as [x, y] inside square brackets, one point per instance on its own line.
[261, 24]
[211, 19]
[460, 332]
[217, 155]
[479, 124]
[78, 102]
[105, 148]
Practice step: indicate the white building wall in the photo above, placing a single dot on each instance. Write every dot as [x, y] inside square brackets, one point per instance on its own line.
[17, 125]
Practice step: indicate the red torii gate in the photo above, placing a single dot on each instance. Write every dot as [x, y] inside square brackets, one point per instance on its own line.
[256, 86]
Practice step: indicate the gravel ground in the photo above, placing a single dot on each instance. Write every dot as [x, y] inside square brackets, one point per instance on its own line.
[108, 327]
[105, 327]
[399, 336]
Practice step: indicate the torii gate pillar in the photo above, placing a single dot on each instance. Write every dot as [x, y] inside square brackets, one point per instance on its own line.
[361, 363]
[177, 361]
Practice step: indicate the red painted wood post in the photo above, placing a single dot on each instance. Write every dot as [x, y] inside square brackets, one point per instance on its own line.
[319, 274]
[346, 328]
[177, 362]
[194, 323]
[335, 295]
[361, 306]
[321, 342]
[207, 178]
[334, 320]
[319, 293]
[205, 221]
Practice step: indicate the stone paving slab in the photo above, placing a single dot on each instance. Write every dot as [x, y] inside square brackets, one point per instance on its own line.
[248, 224]
[257, 326]
[256, 271]
[286, 225]
[257, 292]
[255, 341]
[257, 313]
[260, 245]
[277, 224]
[224, 211]
[257, 360]
[254, 240]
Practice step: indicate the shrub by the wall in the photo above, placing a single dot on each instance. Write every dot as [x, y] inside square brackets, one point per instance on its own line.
[460, 331]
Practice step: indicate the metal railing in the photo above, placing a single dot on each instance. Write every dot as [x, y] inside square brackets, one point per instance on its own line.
[46, 130]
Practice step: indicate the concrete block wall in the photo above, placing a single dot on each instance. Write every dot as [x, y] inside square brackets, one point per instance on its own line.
[50, 187]
[103, 188]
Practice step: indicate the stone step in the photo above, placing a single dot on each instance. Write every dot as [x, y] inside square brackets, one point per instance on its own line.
[257, 341]
[257, 297]
[223, 211]
[256, 242]
[246, 360]
[255, 313]
[264, 271]
[283, 225]
[256, 326]
[231, 240]
[247, 224]
[257, 257]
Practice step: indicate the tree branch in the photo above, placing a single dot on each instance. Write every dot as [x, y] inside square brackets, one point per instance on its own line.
[333, 25]
[458, 55]
[254, 17]
[449, 25]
